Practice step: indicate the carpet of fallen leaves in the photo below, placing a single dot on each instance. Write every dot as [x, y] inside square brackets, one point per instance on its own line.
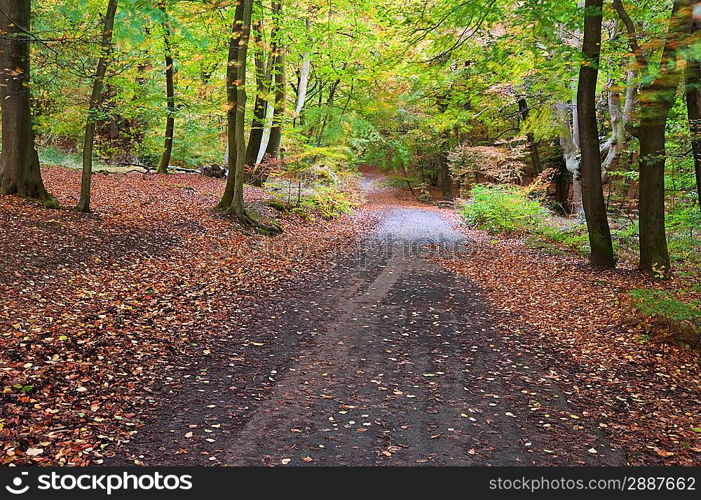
[96, 307]
[645, 395]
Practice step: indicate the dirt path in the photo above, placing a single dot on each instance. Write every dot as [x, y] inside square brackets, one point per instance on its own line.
[393, 360]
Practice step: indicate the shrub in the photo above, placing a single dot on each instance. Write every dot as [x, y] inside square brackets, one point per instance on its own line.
[663, 306]
[652, 302]
[684, 235]
[500, 209]
[329, 202]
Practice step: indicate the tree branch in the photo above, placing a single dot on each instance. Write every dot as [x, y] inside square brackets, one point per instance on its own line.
[632, 35]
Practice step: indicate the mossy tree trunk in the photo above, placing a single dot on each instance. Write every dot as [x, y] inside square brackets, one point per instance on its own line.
[232, 105]
[693, 98]
[592, 191]
[657, 96]
[19, 164]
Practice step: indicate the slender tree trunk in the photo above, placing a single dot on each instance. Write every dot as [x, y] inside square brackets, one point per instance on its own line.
[232, 104]
[94, 104]
[273, 149]
[592, 192]
[303, 78]
[693, 96]
[532, 144]
[329, 107]
[446, 178]
[261, 104]
[266, 132]
[170, 95]
[19, 164]
[570, 153]
[562, 186]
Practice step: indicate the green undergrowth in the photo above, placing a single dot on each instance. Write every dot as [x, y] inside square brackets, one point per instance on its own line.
[509, 210]
[671, 313]
[327, 202]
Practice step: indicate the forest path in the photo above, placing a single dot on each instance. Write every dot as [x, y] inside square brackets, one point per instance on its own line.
[393, 360]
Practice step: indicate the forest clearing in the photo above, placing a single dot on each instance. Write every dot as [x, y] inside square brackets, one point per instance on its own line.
[401, 233]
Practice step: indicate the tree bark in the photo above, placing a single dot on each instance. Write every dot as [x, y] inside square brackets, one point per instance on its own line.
[232, 104]
[170, 95]
[446, 179]
[303, 78]
[592, 192]
[693, 96]
[239, 139]
[261, 104]
[273, 149]
[94, 104]
[570, 153]
[19, 164]
[656, 100]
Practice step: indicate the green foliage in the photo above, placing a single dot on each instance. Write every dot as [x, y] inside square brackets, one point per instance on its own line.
[500, 209]
[684, 229]
[329, 202]
[664, 304]
[573, 236]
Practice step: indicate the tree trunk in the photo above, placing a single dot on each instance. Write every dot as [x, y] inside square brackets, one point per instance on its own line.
[656, 100]
[615, 144]
[693, 100]
[232, 104]
[303, 78]
[446, 179]
[532, 144]
[170, 95]
[329, 108]
[570, 153]
[273, 149]
[94, 104]
[592, 192]
[261, 104]
[239, 139]
[562, 186]
[19, 164]
[654, 255]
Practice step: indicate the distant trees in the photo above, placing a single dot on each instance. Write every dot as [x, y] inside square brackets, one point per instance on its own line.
[263, 67]
[279, 84]
[339, 75]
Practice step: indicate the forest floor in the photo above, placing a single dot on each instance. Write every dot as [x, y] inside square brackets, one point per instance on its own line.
[155, 332]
